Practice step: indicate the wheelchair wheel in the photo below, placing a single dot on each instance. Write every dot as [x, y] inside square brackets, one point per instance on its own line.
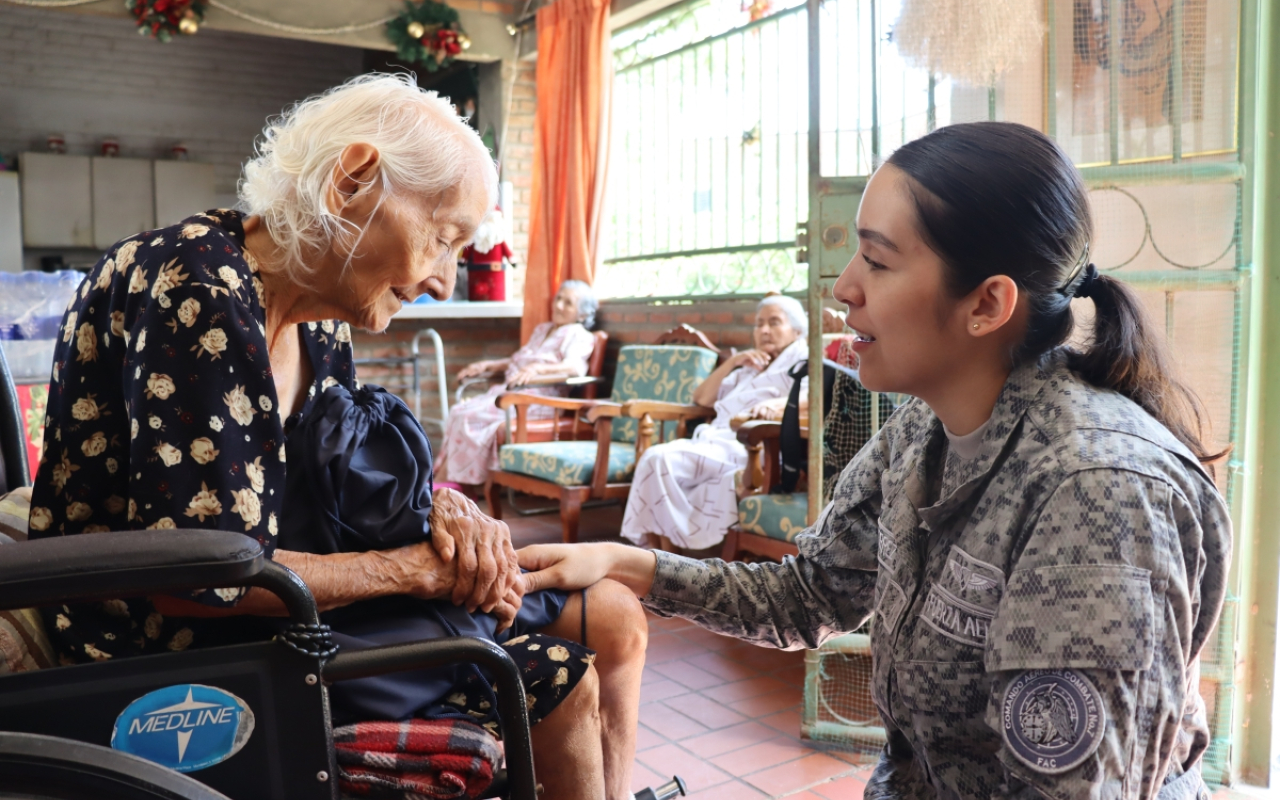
[34, 767]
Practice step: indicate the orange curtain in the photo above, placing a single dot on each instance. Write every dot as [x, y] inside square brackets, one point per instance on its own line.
[570, 151]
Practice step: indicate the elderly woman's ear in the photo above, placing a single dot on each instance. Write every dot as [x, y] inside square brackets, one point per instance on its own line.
[356, 171]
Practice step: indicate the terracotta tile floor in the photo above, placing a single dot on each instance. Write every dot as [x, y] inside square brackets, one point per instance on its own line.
[721, 714]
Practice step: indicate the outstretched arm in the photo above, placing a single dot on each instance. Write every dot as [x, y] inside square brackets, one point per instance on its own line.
[481, 367]
[336, 580]
[828, 590]
[796, 604]
[562, 369]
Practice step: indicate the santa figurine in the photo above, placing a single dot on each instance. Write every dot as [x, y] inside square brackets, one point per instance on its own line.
[486, 259]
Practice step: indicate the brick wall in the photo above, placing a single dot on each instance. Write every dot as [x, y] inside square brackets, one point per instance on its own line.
[517, 166]
[465, 341]
[89, 77]
[726, 322]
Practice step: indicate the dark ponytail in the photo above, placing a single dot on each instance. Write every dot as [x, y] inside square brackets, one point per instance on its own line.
[998, 198]
[1123, 355]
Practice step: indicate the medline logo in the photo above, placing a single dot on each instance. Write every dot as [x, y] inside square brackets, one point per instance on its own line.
[186, 728]
[184, 718]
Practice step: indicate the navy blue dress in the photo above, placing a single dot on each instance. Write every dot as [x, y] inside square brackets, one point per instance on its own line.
[162, 414]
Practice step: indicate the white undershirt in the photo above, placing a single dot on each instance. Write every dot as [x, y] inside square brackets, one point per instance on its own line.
[966, 447]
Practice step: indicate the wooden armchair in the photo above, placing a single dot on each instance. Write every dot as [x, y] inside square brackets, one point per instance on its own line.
[650, 402]
[561, 426]
[769, 522]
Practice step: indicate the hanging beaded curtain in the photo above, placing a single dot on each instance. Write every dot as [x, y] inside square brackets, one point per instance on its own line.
[976, 41]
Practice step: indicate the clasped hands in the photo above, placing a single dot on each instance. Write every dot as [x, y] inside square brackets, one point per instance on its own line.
[470, 559]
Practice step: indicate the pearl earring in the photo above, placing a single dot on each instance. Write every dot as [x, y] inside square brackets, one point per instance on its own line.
[975, 326]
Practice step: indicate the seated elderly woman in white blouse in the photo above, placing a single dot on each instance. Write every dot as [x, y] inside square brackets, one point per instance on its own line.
[560, 348]
[683, 490]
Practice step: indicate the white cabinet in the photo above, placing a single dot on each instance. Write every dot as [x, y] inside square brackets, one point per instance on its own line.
[57, 200]
[123, 199]
[10, 223]
[183, 188]
[78, 201]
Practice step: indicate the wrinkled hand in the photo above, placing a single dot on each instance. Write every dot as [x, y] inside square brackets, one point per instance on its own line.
[563, 566]
[473, 370]
[756, 359]
[524, 376]
[426, 574]
[487, 571]
[769, 409]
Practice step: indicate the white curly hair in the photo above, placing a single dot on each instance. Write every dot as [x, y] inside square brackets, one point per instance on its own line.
[790, 306]
[424, 149]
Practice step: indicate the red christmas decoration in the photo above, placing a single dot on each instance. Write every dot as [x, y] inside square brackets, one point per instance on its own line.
[486, 260]
[427, 33]
[164, 19]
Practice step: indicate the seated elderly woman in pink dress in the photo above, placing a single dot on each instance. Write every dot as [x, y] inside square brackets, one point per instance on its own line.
[683, 490]
[559, 348]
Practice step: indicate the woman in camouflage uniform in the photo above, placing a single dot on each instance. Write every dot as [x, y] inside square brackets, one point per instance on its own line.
[1043, 551]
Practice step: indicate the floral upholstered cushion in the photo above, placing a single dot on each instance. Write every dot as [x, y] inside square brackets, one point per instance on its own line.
[668, 373]
[778, 516]
[567, 463]
[24, 646]
[15, 508]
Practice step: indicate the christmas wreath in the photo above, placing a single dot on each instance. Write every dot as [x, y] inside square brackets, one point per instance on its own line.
[163, 19]
[427, 33]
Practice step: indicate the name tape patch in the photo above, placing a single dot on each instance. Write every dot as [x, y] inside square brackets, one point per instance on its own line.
[187, 727]
[1052, 719]
[956, 619]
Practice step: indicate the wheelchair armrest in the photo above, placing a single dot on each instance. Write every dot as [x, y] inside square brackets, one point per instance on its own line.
[124, 564]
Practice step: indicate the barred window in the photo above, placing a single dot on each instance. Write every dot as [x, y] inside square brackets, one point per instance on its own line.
[709, 171]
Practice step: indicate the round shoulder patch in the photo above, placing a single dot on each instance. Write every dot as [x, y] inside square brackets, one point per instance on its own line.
[1053, 719]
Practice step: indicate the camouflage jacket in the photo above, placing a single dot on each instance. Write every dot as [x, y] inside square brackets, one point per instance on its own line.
[1038, 612]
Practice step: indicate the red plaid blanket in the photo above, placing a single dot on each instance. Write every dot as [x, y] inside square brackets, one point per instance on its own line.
[419, 758]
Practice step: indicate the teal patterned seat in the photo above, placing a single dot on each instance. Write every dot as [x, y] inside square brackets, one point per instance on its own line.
[567, 469]
[778, 516]
[567, 463]
[769, 523]
[668, 373]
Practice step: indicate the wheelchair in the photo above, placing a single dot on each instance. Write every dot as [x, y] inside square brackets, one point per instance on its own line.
[57, 725]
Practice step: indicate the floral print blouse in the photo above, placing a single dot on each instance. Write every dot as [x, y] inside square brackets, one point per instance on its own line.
[162, 413]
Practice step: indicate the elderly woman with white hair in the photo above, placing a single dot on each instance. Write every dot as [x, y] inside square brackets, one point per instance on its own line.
[560, 348]
[683, 490]
[191, 352]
